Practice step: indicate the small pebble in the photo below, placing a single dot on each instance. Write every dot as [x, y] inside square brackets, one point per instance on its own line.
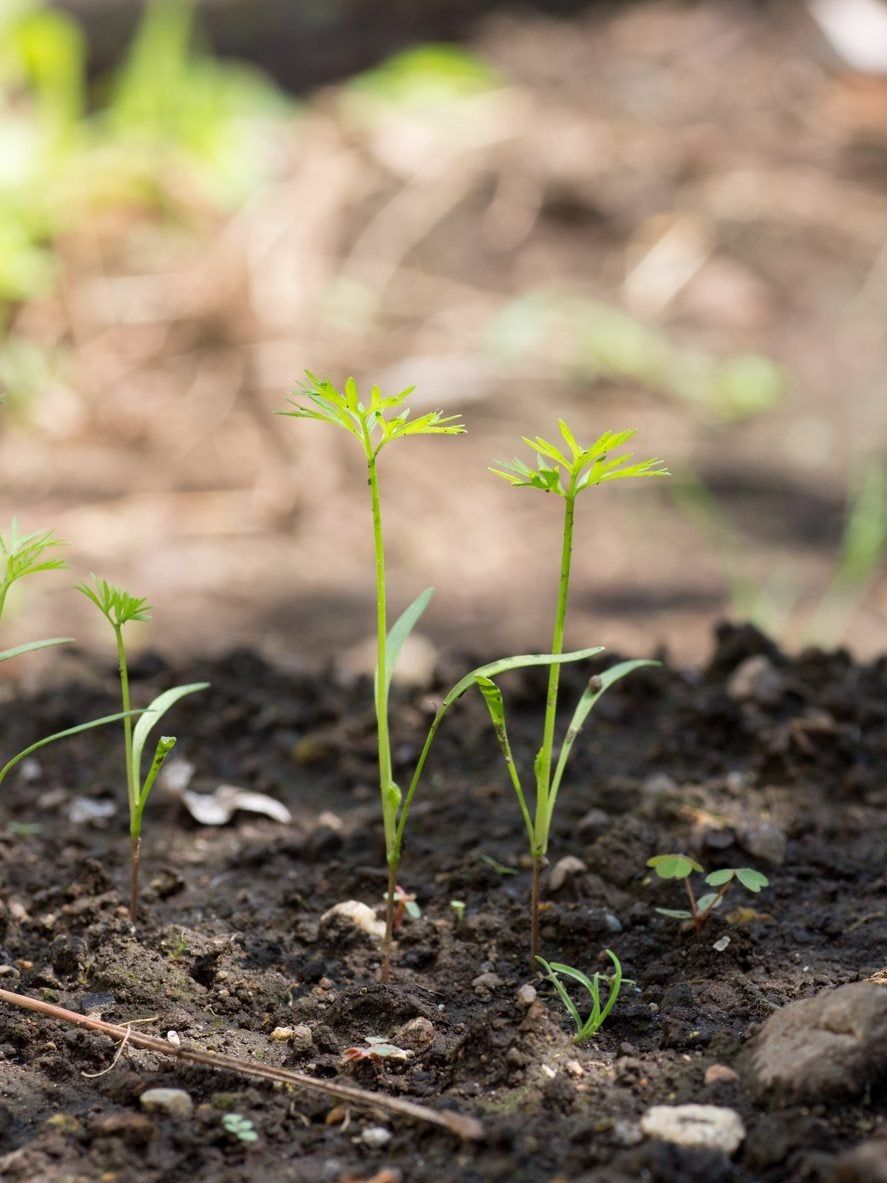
[485, 983]
[720, 1074]
[765, 841]
[563, 870]
[417, 1033]
[173, 1102]
[526, 995]
[711, 1126]
[302, 1037]
[282, 1034]
[573, 1067]
[355, 913]
[376, 1136]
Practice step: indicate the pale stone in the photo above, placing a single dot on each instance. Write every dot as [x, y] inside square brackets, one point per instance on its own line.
[172, 1102]
[358, 914]
[711, 1126]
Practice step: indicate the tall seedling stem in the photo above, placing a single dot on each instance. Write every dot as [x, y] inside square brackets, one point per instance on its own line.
[565, 473]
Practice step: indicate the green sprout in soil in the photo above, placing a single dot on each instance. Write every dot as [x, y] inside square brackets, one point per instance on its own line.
[681, 866]
[119, 608]
[240, 1127]
[566, 473]
[22, 555]
[458, 909]
[589, 1026]
[375, 424]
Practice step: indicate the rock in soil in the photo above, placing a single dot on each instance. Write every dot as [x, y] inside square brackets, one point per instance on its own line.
[829, 1046]
[171, 1102]
[710, 1126]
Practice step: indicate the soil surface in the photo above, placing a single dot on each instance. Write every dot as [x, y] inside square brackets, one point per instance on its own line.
[779, 764]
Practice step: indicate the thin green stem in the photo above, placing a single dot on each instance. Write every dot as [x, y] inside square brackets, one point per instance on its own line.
[544, 759]
[386, 779]
[132, 789]
[4, 588]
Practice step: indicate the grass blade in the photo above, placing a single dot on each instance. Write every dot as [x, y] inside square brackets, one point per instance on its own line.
[41, 743]
[31, 646]
[401, 629]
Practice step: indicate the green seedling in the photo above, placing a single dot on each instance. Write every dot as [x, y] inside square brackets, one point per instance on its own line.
[380, 421]
[458, 909]
[23, 555]
[681, 866]
[119, 608]
[589, 1026]
[240, 1127]
[566, 473]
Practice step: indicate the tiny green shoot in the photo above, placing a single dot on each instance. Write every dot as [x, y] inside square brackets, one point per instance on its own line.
[23, 555]
[458, 907]
[240, 1127]
[589, 1026]
[120, 608]
[681, 866]
[566, 472]
[375, 1047]
[404, 905]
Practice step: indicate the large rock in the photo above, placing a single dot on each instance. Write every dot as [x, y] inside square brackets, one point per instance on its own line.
[832, 1045]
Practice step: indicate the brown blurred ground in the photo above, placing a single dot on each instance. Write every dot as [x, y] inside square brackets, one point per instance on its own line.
[387, 250]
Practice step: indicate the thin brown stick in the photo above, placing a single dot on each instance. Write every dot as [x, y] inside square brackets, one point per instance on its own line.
[463, 1126]
[134, 879]
[694, 910]
[385, 971]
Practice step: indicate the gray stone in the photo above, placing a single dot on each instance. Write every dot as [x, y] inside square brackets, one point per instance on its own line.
[376, 1136]
[171, 1102]
[765, 840]
[832, 1045]
[564, 869]
[757, 680]
[711, 1126]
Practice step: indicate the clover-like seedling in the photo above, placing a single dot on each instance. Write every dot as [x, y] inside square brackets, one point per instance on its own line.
[375, 1048]
[589, 1026]
[120, 608]
[681, 866]
[566, 471]
[240, 1127]
[22, 555]
[375, 423]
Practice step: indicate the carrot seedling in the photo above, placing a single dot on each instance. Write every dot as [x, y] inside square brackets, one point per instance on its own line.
[22, 555]
[566, 473]
[589, 1026]
[119, 608]
[681, 866]
[375, 424]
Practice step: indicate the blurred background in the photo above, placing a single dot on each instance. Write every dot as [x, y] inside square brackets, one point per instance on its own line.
[664, 215]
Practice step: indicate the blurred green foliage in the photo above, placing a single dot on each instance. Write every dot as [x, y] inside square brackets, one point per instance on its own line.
[174, 126]
[422, 80]
[594, 341]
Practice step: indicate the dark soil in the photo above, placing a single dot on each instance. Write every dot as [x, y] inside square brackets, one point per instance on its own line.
[230, 947]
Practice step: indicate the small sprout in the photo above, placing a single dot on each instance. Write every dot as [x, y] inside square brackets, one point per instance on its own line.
[119, 608]
[240, 1127]
[376, 1048]
[458, 907]
[498, 867]
[588, 1027]
[404, 905]
[681, 866]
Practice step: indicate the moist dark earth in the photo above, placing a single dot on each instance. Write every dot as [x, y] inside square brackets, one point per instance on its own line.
[756, 759]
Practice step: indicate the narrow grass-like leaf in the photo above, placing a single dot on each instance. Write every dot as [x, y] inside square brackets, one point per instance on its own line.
[565, 998]
[32, 646]
[151, 716]
[596, 687]
[492, 696]
[41, 743]
[402, 628]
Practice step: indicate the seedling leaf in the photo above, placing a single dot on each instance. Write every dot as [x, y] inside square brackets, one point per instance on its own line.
[32, 646]
[673, 866]
[709, 901]
[752, 880]
[596, 687]
[675, 913]
[402, 628]
[719, 878]
[151, 716]
[41, 743]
